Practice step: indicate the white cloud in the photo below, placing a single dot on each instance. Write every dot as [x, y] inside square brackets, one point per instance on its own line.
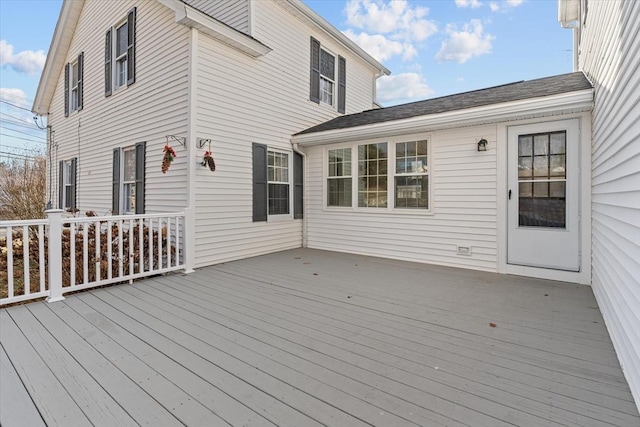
[388, 28]
[494, 6]
[468, 3]
[505, 4]
[402, 88]
[27, 61]
[465, 43]
[16, 98]
[514, 3]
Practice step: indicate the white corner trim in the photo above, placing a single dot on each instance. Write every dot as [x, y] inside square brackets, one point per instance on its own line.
[56, 57]
[192, 18]
[565, 103]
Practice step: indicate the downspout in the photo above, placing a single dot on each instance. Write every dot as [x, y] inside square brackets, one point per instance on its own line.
[304, 194]
[190, 211]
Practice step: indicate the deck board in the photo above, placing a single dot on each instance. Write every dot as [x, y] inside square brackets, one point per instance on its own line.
[308, 337]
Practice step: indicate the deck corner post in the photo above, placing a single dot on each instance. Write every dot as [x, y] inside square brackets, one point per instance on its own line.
[188, 241]
[55, 254]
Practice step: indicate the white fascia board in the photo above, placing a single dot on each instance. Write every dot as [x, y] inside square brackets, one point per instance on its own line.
[193, 18]
[566, 103]
[338, 35]
[56, 57]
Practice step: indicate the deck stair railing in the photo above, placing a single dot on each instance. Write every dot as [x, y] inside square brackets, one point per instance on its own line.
[54, 256]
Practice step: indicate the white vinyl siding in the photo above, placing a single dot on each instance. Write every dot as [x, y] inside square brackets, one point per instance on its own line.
[234, 13]
[238, 102]
[609, 56]
[154, 107]
[462, 213]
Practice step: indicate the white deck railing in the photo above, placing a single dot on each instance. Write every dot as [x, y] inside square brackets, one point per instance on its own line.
[57, 255]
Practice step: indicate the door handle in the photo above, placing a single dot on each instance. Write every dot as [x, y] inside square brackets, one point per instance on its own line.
[509, 194]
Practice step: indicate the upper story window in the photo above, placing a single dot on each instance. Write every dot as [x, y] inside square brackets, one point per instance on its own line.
[120, 54]
[328, 77]
[73, 85]
[387, 175]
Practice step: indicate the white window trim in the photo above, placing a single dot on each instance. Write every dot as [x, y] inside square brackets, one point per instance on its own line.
[123, 195]
[72, 108]
[66, 182]
[334, 96]
[391, 174]
[328, 177]
[289, 216]
[115, 57]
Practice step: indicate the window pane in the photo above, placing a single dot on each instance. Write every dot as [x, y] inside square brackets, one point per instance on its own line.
[542, 211]
[121, 40]
[525, 167]
[129, 197]
[558, 143]
[74, 75]
[412, 191]
[541, 166]
[327, 65]
[278, 199]
[422, 148]
[339, 192]
[557, 166]
[129, 165]
[340, 162]
[541, 144]
[525, 145]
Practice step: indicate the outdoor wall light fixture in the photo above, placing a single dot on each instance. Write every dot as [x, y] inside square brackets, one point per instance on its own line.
[482, 145]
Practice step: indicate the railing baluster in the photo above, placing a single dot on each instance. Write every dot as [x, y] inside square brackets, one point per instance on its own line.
[72, 253]
[177, 219]
[151, 258]
[10, 261]
[85, 252]
[109, 250]
[159, 243]
[140, 245]
[98, 255]
[41, 263]
[169, 241]
[120, 249]
[131, 242]
[25, 260]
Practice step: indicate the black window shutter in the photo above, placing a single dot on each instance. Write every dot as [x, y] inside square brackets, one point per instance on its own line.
[115, 195]
[298, 186]
[314, 92]
[131, 49]
[342, 84]
[61, 185]
[72, 181]
[259, 182]
[66, 89]
[107, 64]
[140, 172]
[80, 82]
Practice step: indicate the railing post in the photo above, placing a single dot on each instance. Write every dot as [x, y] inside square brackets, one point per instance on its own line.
[55, 254]
[188, 239]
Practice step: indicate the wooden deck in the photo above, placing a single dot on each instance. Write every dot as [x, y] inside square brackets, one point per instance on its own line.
[304, 338]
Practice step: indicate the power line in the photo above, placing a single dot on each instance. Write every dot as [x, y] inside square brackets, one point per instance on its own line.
[25, 139]
[18, 131]
[14, 117]
[6, 94]
[14, 105]
[21, 124]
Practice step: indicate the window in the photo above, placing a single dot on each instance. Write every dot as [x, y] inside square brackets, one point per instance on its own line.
[128, 179]
[278, 183]
[339, 178]
[120, 54]
[372, 175]
[324, 70]
[411, 179]
[73, 75]
[67, 184]
[393, 174]
[277, 179]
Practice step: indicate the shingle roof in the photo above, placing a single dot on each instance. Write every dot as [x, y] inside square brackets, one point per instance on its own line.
[547, 86]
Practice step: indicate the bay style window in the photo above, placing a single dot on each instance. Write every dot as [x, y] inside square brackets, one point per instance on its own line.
[390, 175]
[120, 54]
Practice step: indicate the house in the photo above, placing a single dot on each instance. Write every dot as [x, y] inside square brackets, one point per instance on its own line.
[125, 78]
[536, 178]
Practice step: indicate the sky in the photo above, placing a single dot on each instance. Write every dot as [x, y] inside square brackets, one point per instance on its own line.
[432, 47]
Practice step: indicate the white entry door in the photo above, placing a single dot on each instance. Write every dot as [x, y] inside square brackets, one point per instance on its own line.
[543, 191]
